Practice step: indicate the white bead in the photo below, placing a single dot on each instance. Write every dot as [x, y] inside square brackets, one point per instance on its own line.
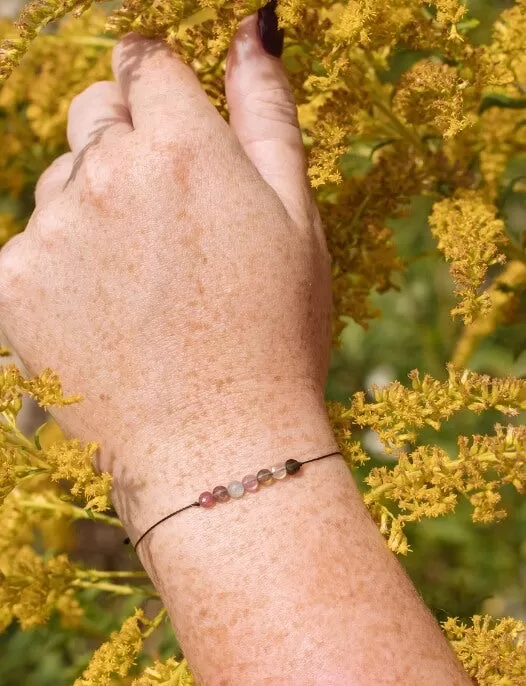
[278, 471]
[236, 489]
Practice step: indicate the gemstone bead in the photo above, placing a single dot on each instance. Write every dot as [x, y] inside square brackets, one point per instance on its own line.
[264, 477]
[220, 493]
[250, 483]
[236, 489]
[278, 471]
[292, 466]
[206, 499]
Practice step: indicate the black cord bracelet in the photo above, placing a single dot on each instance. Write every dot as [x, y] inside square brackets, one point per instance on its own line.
[236, 489]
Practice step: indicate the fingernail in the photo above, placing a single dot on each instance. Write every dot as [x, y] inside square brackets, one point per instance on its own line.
[271, 36]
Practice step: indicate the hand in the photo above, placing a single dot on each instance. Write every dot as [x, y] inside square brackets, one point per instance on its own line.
[175, 271]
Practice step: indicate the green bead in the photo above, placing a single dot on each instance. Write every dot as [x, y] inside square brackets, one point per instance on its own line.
[292, 466]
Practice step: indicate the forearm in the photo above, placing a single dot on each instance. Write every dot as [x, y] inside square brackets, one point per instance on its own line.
[289, 585]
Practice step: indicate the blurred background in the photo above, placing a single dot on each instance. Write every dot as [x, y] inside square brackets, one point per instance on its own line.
[460, 568]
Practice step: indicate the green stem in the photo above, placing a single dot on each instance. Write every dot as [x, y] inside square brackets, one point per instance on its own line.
[72, 510]
[358, 213]
[26, 472]
[155, 623]
[18, 439]
[93, 574]
[404, 131]
[118, 589]
[379, 490]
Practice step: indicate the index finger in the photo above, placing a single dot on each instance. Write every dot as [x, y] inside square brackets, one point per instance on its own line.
[159, 89]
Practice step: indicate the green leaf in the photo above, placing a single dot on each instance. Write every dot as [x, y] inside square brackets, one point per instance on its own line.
[508, 190]
[381, 144]
[518, 126]
[36, 437]
[502, 101]
[468, 24]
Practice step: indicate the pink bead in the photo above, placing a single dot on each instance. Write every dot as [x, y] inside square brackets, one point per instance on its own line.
[250, 483]
[206, 499]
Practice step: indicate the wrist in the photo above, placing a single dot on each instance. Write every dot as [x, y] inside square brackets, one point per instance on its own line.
[164, 469]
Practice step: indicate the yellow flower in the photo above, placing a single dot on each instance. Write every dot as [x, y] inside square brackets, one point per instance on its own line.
[46, 389]
[72, 461]
[358, 236]
[31, 587]
[468, 233]
[351, 450]
[431, 93]
[169, 673]
[427, 481]
[493, 652]
[397, 412]
[449, 11]
[502, 136]
[505, 294]
[9, 456]
[508, 48]
[117, 655]
[330, 147]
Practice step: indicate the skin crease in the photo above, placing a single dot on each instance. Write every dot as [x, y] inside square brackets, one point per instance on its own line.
[175, 273]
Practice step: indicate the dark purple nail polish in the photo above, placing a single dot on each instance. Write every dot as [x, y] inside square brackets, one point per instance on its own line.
[271, 36]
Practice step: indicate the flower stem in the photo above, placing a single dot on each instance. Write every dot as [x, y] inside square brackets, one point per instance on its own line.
[68, 509]
[93, 574]
[117, 589]
[155, 623]
[406, 133]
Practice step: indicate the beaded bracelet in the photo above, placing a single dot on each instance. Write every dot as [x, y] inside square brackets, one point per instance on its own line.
[236, 489]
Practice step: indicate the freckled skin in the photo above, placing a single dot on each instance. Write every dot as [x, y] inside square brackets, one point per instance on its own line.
[175, 273]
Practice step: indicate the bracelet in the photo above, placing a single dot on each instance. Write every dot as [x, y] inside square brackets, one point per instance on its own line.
[236, 489]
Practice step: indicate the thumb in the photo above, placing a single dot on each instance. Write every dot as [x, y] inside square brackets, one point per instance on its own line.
[263, 113]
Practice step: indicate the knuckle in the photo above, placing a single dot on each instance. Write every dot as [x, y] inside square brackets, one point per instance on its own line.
[162, 147]
[13, 270]
[55, 173]
[41, 183]
[99, 177]
[77, 103]
[275, 104]
[48, 233]
[96, 90]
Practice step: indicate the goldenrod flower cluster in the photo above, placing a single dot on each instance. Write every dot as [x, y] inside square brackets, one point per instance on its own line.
[447, 129]
[493, 653]
[169, 673]
[397, 412]
[31, 585]
[62, 460]
[426, 481]
[116, 657]
[469, 234]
